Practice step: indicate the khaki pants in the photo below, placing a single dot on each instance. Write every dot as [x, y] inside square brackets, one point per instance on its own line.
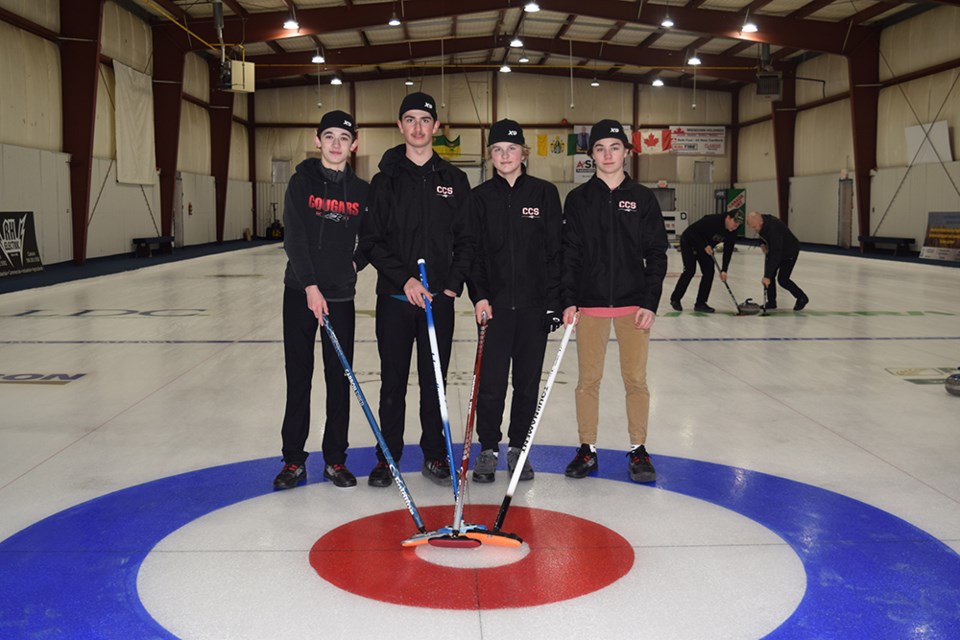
[593, 335]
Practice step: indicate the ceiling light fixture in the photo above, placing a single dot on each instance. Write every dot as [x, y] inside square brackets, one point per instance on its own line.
[666, 23]
[749, 26]
[505, 69]
[523, 58]
[531, 7]
[516, 43]
[336, 81]
[408, 82]
[318, 58]
[394, 21]
[595, 82]
[694, 60]
[657, 82]
[291, 23]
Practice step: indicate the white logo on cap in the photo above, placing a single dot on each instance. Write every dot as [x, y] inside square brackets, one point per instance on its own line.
[347, 123]
[428, 105]
[511, 132]
[614, 130]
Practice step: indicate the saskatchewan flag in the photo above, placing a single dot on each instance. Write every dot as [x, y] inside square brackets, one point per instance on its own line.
[446, 148]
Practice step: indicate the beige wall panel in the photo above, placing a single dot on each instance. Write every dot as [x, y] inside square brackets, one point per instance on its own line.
[373, 142]
[750, 106]
[126, 38]
[721, 166]
[194, 152]
[30, 114]
[196, 77]
[105, 125]
[299, 104]
[761, 196]
[814, 204]
[925, 40]
[239, 210]
[239, 153]
[118, 212]
[902, 198]
[198, 216]
[281, 144]
[45, 13]
[675, 105]
[240, 106]
[832, 70]
[756, 153]
[534, 99]
[823, 140]
[933, 98]
[460, 98]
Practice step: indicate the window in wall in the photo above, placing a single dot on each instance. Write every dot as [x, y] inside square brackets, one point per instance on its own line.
[280, 171]
[703, 172]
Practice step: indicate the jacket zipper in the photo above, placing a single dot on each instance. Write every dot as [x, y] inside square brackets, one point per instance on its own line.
[513, 260]
[612, 239]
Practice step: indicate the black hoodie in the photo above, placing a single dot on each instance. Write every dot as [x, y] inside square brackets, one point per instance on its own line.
[322, 211]
[518, 243]
[781, 244]
[614, 246]
[418, 212]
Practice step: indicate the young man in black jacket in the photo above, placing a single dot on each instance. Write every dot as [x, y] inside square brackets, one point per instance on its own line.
[696, 247]
[516, 282]
[782, 250]
[614, 262]
[419, 208]
[324, 204]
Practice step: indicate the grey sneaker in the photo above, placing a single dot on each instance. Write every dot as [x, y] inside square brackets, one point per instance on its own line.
[513, 455]
[486, 466]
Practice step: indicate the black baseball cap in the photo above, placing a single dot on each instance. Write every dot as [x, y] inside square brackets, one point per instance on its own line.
[418, 100]
[607, 129]
[505, 131]
[339, 120]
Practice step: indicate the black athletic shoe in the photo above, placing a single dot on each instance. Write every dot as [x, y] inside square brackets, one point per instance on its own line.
[437, 471]
[485, 468]
[290, 476]
[801, 302]
[770, 306]
[676, 305]
[641, 469]
[380, 476]
[705, 308]
[583, 463]
[340, 475]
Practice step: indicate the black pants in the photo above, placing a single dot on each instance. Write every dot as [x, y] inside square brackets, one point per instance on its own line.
[782, 277]
[518, 336]
[399, 325]
[691, 258]
[299, 340]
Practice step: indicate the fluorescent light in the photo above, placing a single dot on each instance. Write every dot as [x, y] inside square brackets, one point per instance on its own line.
[505, 69]
[291, 25]
[657, 82]
[749, 27]
[336, 81]
[666, 23]
[531, 7]
[516, 43]
[694, 60]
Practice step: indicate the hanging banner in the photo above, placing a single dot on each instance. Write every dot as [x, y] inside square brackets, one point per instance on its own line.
[18, 244]
[446, 148]
[942, 240]
[542, 145]
[698, 141]
[654, 141]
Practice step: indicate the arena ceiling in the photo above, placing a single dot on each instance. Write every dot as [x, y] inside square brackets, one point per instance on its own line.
[618, 40]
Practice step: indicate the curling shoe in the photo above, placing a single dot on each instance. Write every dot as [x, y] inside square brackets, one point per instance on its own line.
[380, 475]
[801, 302]
[641, 469]
[486, 466]
[437, 471]
[290, 476]
[676, 305]
[513, 456]
[703, 307]
[583, 463]
[339, 475]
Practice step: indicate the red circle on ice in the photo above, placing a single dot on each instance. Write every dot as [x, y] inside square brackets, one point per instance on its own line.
[568, 557]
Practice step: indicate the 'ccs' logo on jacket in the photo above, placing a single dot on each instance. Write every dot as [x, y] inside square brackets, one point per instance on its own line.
[530, 212]
[444, 192]
[627, 205]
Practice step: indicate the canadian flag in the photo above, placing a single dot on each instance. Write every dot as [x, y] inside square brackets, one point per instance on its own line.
[652, 141]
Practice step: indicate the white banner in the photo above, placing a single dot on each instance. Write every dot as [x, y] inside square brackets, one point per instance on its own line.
[133, 113]
[698, 141]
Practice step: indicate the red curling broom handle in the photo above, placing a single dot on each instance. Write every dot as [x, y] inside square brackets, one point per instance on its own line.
[468, 433]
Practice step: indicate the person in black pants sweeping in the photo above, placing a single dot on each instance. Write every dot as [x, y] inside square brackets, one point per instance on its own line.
[782, 250]
[324, 204]
[419, 208]
[516, 283]
[696, 247]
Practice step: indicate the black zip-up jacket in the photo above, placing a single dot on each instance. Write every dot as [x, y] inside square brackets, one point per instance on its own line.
[708, 231]
[614, 246]
[518, 243]
[781, 244]
[418, 212]
[322, 213]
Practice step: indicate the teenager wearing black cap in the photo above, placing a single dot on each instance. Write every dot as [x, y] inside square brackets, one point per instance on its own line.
[516, 282]
[614, 262]
[419, 208]
[324, 204]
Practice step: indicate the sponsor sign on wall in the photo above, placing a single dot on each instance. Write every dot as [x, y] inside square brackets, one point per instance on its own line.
[942, 240]
[18, 244]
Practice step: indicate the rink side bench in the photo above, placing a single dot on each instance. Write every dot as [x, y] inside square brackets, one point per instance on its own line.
[902, 245]
[143, 246]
